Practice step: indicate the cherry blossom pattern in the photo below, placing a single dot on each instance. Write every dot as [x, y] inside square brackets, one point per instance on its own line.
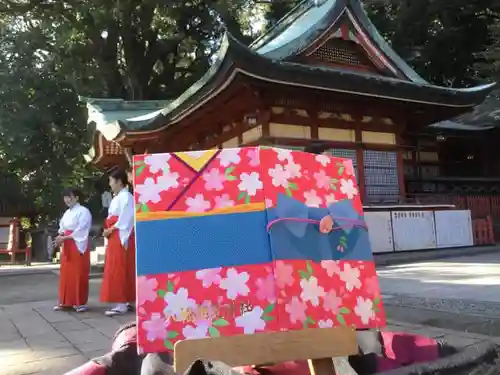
[214, 179]
[349, 167]
[294, 169]
[197, 203]
[244, 299]
[347, 188]
[312, 199]
[147, 192]
[296, 310]
[249, 184]
[350, 275]
[283, 274]
[323, 181]
[372, 286]
[364, 309]
[311, 290]
[177, 303]
[324, 160]
[284, 154]
[209, 276]
[327, 323]
[156, 327]
[156, 163]
[332, 267]
[280, 176]
[223, 201]
[266, 288]
[251, 321]
[146, 289]
[229, 156]
[199, 331]
[255, 319]
[337, 306]
[168, 180]
[332, 302]
[235, 284]
[254, 157]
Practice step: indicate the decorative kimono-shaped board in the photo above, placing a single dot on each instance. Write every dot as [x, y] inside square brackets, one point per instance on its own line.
[228, 244]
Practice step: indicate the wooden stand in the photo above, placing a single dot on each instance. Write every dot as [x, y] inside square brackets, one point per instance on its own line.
[317, 345]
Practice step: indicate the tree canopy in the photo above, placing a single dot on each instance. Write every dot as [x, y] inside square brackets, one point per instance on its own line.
[51, 52]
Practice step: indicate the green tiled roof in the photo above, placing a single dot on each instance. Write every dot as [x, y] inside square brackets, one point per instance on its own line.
[310, 19]
[133, 114]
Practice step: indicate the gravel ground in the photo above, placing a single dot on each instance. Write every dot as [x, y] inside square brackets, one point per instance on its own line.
[458, 315]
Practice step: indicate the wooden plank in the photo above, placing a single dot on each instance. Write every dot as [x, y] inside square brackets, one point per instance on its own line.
[321, 366]
[272, 347]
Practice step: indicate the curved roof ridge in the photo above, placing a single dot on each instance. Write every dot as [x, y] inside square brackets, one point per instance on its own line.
[382, 44]
[281, 24]
[306, 27]
[211, 72]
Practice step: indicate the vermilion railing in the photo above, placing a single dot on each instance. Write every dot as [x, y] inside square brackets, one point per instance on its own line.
[480, 205]
[483, 231]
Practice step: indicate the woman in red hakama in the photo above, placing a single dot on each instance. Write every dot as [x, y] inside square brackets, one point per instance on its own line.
[73, 238]
[118, 285]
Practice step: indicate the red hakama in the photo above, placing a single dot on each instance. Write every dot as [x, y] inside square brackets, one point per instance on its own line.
[118, 284]
[74, 275]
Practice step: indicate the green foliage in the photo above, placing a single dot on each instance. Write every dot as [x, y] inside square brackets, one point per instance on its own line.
[278, 9]
[51, 52]
[442, 40]
[42, 128]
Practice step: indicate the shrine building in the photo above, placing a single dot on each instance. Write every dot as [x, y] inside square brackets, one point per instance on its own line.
[323, 74]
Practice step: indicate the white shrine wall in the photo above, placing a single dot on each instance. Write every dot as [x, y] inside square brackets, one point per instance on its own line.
[419, 230]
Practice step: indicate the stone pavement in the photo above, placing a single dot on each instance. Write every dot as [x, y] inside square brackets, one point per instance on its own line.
[36, 340]
[474, 278]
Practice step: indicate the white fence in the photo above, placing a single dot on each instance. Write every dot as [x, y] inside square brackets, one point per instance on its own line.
[419, 230]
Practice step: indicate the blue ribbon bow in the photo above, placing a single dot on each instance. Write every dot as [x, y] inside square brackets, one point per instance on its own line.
[295, 236]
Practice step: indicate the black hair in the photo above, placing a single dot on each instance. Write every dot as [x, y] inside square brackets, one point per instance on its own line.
[316, 148]
[119, 175]
[73, 192]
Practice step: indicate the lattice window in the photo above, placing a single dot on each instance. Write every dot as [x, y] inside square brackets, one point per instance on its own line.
[112, 148]
[287, 102]
[339, 51]
[381, 176]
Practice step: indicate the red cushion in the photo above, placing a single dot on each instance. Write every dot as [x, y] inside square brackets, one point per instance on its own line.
[89, 368]
[407, 349]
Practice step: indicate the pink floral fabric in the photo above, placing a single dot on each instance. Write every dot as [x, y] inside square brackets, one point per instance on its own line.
[210, 303]
[282, 295]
